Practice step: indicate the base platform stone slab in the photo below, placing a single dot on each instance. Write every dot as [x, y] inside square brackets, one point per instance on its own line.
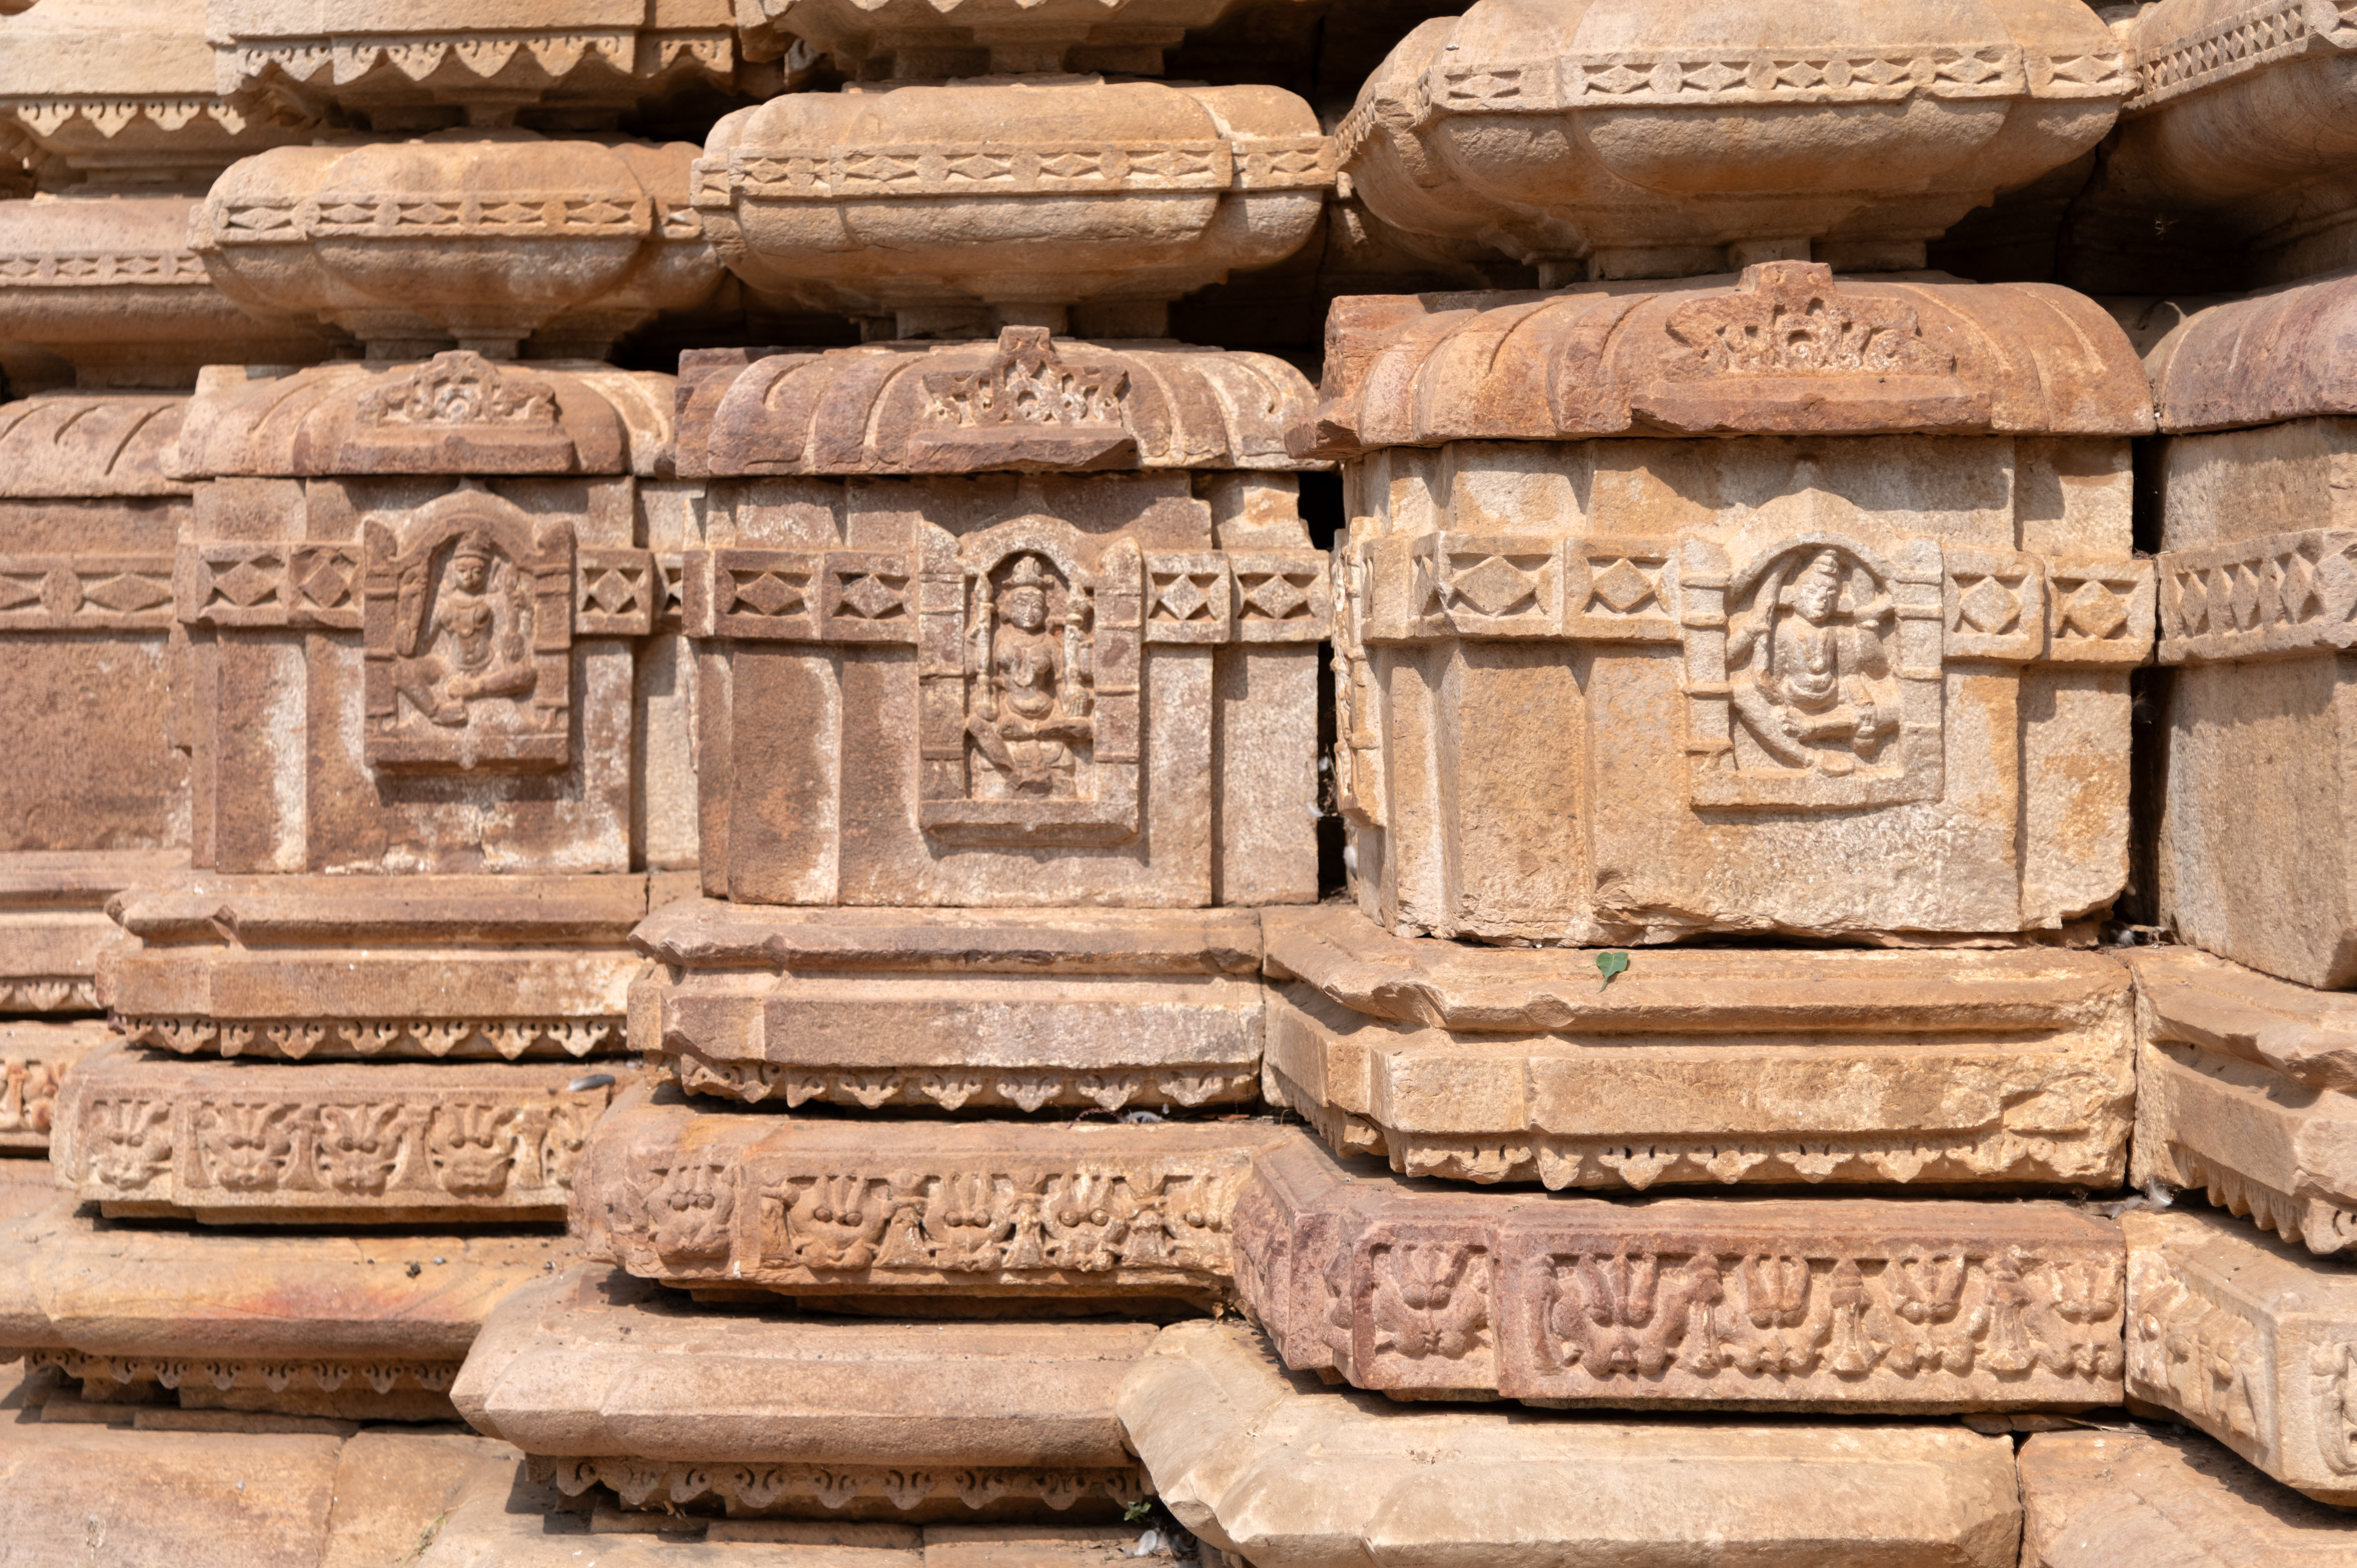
[2247, 1090]
[1743, 1066]
[2106, 1499]
[609, 1382]
[1287, 1473]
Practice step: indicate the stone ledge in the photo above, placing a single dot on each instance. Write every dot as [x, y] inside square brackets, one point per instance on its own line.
[2101, 1499]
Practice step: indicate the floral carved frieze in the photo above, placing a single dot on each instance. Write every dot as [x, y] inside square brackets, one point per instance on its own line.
[298, 1039]
[1826, 1304]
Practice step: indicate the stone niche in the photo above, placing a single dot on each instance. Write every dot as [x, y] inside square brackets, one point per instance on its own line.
[94, 796]
[1495, 1065]
[2258, 614]
[1024, 624]
[1782, 603]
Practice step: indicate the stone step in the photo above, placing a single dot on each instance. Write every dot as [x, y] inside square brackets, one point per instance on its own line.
[2101, 1499]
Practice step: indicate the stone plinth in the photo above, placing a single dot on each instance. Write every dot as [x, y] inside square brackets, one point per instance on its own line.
[607, 1381]
[2096, 1499]
[343, 1143]
[2251, 1342]
[480, 238]
[395, 61]
[1645, 138]
[368, 1328]
[2234, 166]
[53, 926]
[1515, 1064]
[912, 40]
[2257, 586]
[1819, 1304]
[1601, 683]
[2246, 1088]
[1075, 665]
[35, 1057]
[1284, 1473]
[329, 966]
[954, 1010]
[953, 209]
[816, 1207]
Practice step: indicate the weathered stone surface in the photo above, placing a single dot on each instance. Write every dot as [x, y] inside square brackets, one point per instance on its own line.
[385, 58]
[330, 967]
[35, 1058]
[2234, 165]
[954, 1010]
[885, 41]
[2246, 1088]
[859, 1207]
[1029, 400]
[2094, 1499]
[369, 1327]
[2257, 587]
[354, 1143]
[1047, 690]
[953, 209]
[1818, 1303]
[1488, 1064]
[1630, 689]
[2264, 359]
[392, 1489]
[2249, 1341]
[1644, 138]
[606, 1380]
[454, 237]
[1286, 1475]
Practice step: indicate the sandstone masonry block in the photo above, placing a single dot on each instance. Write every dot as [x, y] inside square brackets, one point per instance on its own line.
[2092, 1500]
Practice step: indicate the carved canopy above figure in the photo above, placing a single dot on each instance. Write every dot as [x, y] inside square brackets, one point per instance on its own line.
[1787, 349]
[1029, 403]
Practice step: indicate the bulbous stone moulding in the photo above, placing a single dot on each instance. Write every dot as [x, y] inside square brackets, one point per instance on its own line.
[483, 239]
[915, 39]
[955, 208]
[1649, 138]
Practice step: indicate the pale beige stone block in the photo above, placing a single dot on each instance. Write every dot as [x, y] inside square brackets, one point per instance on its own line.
[343, 1143]
[953, 1009]
[2251, 1342]
[35, 1058]
[2246, 1090]
[605, 1381]
[2099, 1499]
[1284, 1473]
[814, 1208]
[1514, 1065]
[392, 1491]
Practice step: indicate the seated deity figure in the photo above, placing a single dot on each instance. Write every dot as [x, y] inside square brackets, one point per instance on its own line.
[1825, 680]
[474, 643]
[1036, 705]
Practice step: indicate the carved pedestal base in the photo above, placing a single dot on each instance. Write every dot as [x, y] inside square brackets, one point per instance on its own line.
[608, 1382]
[2246, 1088]
[364, 1328]
[352, 1143]
[342, 967]
[2249, 1341]
[955, 1010]
[1893, 1306]
[1491, 1065]
[2099, 1499]
[1293, 1475]
[814, 1208]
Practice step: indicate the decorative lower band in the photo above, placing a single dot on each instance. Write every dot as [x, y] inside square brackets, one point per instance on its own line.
[48, 994]
[2322, 1226]
[384, 1377]
[762, 1489]
[958, 1089]
[464, 1038]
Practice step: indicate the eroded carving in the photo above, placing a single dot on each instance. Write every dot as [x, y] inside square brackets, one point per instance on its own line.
[785, 1488]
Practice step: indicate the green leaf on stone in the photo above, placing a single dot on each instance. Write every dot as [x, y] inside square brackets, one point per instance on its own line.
[1609, 964]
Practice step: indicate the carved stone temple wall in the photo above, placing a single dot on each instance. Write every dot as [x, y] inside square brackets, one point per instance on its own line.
[1253, 783]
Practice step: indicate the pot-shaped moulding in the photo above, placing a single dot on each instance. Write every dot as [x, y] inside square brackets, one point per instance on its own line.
[1027, 404]
[906, 40]
[101, 291]
[425, 60]
[952, 210]
[121, 92]
[1649, 138]
[484, 239]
